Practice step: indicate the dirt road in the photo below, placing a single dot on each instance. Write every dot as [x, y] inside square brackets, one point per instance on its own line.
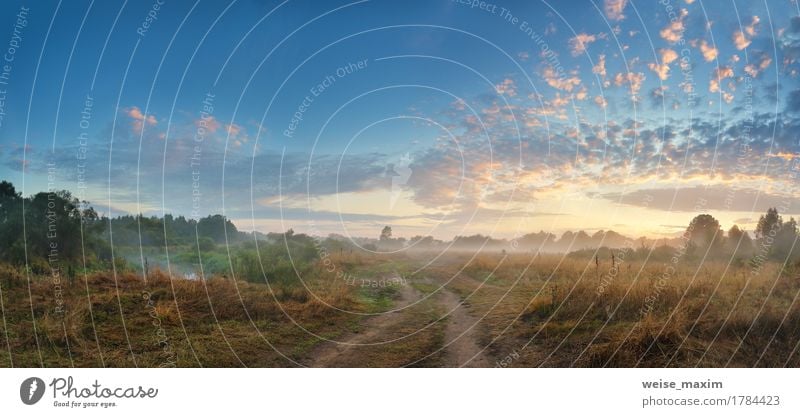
[460, 346]
[336, 353]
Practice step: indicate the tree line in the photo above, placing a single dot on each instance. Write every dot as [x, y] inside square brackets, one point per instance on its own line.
[773, 239]
[55, 227]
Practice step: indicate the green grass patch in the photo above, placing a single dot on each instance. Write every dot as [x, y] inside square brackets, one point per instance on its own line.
[379, 299]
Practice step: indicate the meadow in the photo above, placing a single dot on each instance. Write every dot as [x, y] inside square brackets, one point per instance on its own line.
[354, 308]
[557, 311]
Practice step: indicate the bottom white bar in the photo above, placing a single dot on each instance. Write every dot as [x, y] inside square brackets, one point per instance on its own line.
[402, 392]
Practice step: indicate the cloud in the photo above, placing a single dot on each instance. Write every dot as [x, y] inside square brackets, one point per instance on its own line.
[236, 135]
[658, 96]
[18, 164]
[580, 42]
[727, 97]
[743, 38]
[751, 28]
[712, 198]
[793, 101]
[267, 209]
[754, 70]
[709, 52]
[233, 129]
[209, 123]
[560, 81]
[600, 67]
[451, 177]
[614, 9]
[740, 41]
[18, 157]
[139, 120]
[633, 79]
[600, 101]
[662, 69]
[673, 32]
[134, 177]
[507, 87]
[300, 175]
[719, 74]
[789, 40]
[537, 164]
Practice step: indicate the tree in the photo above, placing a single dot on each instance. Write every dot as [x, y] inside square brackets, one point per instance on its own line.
[423, 242]
[53, 225]
[7, 190]
[536, 241]
[739, 243]
[11, 247]
[771, 222]
[217, 227]
[735, 233]
[386, 233]
[704, 232]
[205, 244]
[785, 246]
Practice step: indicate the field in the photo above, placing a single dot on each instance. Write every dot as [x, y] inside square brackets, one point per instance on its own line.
[362, 310]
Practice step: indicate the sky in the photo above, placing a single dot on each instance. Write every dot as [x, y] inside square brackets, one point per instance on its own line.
[437, 118]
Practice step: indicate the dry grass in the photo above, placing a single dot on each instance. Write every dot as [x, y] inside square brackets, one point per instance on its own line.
[543, 311]
[567, 312]
[163, 322]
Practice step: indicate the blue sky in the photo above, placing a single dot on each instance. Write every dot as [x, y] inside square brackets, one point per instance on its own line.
[435, 117]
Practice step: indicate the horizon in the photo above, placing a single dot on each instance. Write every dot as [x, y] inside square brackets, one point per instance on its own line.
[310, 227]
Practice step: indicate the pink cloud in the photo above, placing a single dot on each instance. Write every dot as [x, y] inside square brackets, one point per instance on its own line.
[580, 42]
[614, 9]
[139, 119]
[210, 123]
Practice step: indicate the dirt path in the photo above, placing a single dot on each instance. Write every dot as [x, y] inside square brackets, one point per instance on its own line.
[335, 354]
[462, 347]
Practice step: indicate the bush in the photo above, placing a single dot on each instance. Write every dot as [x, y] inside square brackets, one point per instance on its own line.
[206, 244]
